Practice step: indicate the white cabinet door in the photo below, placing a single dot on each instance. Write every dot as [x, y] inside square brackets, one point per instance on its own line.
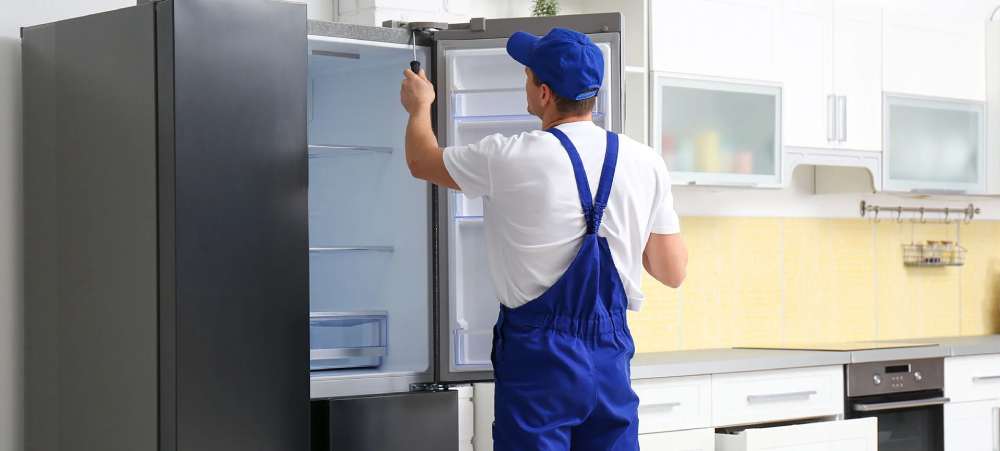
[690, 440]
[857, 73]
[972, 426]
[674, 403]
[722, 38]
[776, 395]
[807, 74]
[850, 435]
[931, 51]
[972, 378]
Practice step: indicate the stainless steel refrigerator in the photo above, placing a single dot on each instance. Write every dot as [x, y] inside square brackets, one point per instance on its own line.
[220, 226]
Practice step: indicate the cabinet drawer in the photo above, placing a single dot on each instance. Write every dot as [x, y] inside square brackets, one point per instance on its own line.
[762, 396]
[972, 378]
[850, 435]
[672, 404]
[692, 440]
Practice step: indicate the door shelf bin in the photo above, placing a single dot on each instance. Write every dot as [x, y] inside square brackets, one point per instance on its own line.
[339, 340]
[473, 347]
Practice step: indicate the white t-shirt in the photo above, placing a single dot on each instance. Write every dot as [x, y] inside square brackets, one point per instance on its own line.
[533, 219]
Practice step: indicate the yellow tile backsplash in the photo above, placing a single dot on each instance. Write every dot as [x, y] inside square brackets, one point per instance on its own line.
[788, 280]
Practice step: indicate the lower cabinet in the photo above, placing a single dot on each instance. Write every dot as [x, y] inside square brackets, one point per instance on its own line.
[848, 435]
[692, 440]
[972, 426]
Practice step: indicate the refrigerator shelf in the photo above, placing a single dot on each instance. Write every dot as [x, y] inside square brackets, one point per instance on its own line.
[487, 90]
[322, 150]
[352, 249]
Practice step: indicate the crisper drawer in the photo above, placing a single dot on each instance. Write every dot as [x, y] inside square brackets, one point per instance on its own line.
[972, 378]
[763, 396]
[672, 404]
[347, 339]
[849, 435]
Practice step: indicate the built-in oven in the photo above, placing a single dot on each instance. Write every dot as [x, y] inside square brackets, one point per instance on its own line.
[907, 398]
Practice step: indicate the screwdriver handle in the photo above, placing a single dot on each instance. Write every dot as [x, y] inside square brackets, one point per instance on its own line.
[415, 66]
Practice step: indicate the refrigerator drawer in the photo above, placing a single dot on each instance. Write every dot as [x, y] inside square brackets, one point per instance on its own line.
[415, 421]
[347, 339]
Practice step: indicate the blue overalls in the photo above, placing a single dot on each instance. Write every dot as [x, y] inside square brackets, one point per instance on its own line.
[561, 361]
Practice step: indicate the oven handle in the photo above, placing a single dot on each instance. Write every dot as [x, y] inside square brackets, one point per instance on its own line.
[875, 407]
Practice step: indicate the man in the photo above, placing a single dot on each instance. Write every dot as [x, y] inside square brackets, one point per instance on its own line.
[566, 259]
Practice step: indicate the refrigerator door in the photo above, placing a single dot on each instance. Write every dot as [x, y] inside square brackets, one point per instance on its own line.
[369, 219]
[481, 92]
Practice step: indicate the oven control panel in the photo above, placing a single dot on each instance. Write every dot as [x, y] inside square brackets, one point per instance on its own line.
[875, 378]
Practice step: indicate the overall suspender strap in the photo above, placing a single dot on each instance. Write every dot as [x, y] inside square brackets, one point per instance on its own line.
[582, 186]
[593, 209]
[607, 178]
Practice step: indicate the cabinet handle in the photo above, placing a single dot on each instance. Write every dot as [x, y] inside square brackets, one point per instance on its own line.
[831, 118]
[978, 379]
[880, 406]
[996, 429]
[780, 396]
[842, 118]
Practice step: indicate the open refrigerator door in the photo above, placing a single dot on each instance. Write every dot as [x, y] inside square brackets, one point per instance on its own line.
[481, 91]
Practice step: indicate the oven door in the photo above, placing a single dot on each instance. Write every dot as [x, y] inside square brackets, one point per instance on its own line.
[906, 421]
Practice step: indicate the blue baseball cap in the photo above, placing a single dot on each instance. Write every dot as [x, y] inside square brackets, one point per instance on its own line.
[566, 60]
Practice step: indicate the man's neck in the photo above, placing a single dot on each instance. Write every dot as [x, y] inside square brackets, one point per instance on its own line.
[548, 123]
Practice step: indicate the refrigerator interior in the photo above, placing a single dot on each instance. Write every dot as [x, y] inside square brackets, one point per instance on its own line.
[368, 218]
[485, 94]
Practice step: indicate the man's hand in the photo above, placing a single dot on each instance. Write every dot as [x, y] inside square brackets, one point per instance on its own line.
[417, 93]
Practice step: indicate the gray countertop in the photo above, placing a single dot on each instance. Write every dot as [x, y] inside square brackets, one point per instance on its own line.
[716, 361]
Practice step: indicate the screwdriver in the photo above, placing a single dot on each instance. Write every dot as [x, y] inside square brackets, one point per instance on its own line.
[414, 65]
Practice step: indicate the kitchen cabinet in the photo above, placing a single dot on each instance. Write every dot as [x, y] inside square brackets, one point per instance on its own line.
[675, 403]
[848, 435]
[972, 418]
[934, 145]
[689, 440]
[972, 425]
[776, 395]
[716, 132]
[832, 60]
[935, 49]
[732, 39]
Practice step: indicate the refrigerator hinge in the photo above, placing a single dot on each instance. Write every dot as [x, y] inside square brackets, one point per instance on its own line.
[431, 387]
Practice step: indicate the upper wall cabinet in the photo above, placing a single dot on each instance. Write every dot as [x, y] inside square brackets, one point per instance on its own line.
[936, 48]
[735, 39]
[832, 74]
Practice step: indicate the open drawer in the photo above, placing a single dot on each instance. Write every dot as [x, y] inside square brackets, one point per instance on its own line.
[848, 435]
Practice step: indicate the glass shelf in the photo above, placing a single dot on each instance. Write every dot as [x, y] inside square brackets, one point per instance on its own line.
[325, 150]
[351, 249]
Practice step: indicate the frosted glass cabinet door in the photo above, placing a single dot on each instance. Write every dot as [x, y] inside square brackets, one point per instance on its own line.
[934, 145]
[718, 133]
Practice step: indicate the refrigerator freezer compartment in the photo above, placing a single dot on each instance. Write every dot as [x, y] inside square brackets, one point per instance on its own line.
[339, 340]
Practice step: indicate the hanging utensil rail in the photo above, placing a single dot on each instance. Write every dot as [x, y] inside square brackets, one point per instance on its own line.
[966, 214]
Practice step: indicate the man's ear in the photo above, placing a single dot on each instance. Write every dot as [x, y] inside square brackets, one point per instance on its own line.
[547, 94]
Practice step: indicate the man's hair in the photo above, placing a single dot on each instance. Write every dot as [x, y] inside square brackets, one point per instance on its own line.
[569, 106]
